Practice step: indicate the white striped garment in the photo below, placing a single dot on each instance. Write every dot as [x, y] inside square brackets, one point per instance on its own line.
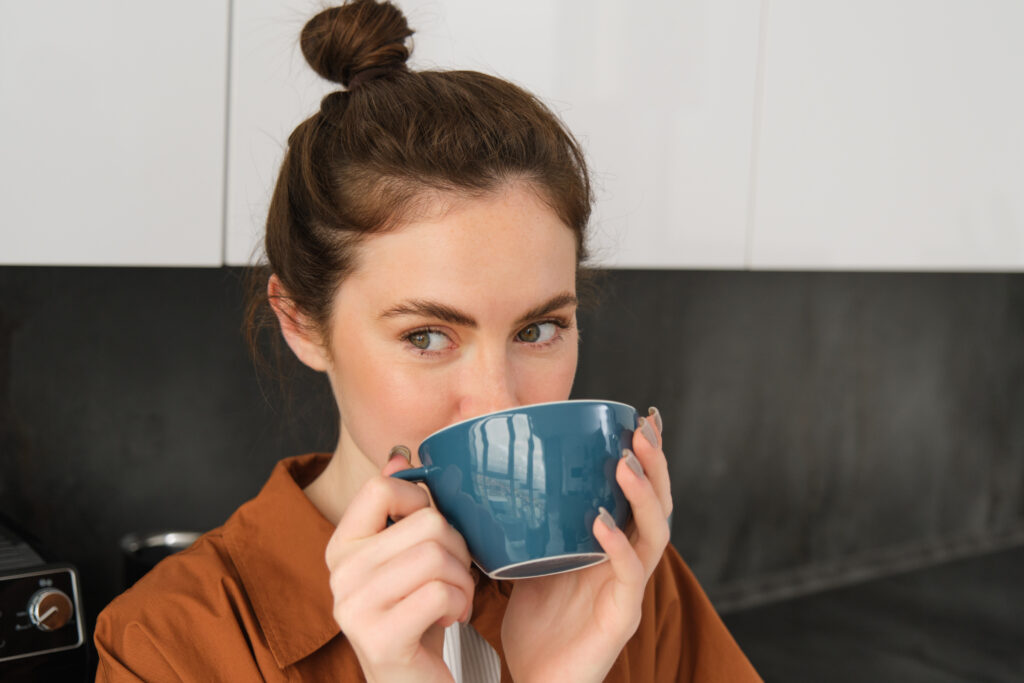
[469, 657]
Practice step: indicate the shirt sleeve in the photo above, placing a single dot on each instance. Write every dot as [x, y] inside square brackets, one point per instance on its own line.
[176, 638]
[130, 655]
[188, 619]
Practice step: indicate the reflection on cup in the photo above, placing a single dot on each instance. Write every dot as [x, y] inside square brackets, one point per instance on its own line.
[523, 486]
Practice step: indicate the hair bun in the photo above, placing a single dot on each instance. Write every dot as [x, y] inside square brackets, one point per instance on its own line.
[339, 42]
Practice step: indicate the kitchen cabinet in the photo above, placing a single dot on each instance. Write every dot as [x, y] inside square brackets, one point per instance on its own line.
[891, 136]
[782, 134]
[272, 90]
[662, 100]
[112, 131]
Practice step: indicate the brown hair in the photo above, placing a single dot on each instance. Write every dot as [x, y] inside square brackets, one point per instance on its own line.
[375, 154]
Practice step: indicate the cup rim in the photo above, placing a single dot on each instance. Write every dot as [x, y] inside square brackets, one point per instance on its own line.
[518, 409]
[596, 557]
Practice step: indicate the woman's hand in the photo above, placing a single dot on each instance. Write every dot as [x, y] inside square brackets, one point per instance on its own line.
[571, 627]
[396, 588]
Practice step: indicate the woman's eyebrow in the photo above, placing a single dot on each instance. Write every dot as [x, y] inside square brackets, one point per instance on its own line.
[440, 311]
[430, 309]
[552, 304]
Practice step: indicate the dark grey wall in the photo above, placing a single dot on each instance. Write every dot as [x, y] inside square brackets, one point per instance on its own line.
[823, 427]
[820, 426]
[128, 402]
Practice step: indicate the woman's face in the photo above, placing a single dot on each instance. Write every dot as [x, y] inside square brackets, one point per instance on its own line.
[468, 311]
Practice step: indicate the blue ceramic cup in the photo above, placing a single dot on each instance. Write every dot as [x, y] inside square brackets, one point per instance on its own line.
[523, 486]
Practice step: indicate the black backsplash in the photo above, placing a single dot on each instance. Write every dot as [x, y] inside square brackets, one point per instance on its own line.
[816, 423]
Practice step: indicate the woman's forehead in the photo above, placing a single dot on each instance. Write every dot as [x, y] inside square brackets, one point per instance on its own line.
[503, 248]
[479, 236]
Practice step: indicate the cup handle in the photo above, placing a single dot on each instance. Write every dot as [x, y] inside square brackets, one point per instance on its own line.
[416, 474]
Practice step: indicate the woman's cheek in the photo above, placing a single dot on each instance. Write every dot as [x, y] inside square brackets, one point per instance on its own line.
[544, 382]
[405, 403]
[384, 406]
[419, 404]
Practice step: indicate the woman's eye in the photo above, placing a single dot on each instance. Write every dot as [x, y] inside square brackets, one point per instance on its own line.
[428, 340]
[537, 333]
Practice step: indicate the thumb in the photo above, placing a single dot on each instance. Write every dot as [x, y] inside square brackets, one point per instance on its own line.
[398, 460]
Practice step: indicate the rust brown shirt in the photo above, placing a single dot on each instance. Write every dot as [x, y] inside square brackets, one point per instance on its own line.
[250, 600]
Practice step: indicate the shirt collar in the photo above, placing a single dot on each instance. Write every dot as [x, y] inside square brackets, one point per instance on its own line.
[277, 542]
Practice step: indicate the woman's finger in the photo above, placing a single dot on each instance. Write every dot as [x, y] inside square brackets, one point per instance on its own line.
[354, 562]
[397, 461]
[629, 570]
[624, 560]
[406, 572]
[381, 497]
[652, 532]
[426, 524]
[396, 633]
[647, 446]
[436, 602]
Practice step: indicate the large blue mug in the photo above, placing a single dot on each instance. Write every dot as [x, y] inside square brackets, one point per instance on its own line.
[523, 486]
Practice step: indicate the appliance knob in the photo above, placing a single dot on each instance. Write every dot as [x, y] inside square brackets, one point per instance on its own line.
[49, 609]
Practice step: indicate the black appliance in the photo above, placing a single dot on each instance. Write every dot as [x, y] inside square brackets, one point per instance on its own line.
[42, 630]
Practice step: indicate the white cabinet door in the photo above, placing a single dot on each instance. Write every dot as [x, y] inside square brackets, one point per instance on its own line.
[272, 90]
[891, 136]
[661, 97]
[112, 117]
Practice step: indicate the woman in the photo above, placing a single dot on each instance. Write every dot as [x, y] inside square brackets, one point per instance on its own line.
[424, 238]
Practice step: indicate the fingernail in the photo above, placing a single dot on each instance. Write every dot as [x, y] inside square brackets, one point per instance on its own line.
[402, 451]
[632, 463]
[469, 614]
[656, 414]
[648, 431]
[606, 519]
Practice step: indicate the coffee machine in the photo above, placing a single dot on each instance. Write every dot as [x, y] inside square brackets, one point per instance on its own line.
[42, 634]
